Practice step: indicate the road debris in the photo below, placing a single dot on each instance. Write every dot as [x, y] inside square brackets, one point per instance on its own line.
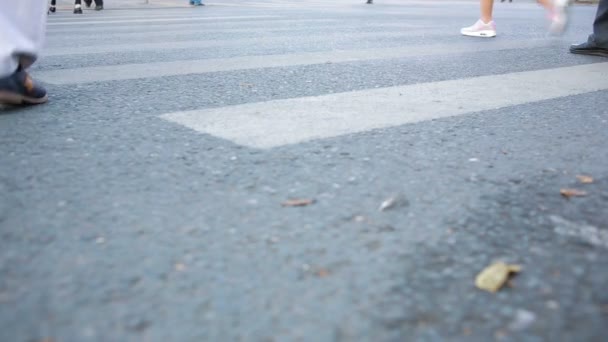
[298, 202]
[392, 202]
[322, 273]
[553, 305]
[585, 179]
[494, 277]
[572, 193]
[359, 218]
[387, 204]
[523, 319]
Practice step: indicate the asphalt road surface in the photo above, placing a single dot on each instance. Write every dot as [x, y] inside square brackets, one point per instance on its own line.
[144, 201]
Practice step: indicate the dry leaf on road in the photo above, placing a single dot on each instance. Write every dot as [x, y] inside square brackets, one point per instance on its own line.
[494, 277]
[298, 202]
[322, 273]
[572, 193]
[585, 179]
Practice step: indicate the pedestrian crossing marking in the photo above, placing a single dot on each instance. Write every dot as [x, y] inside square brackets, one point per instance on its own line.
[175, 68]
[152, 20]
[283, 122]
[186, 27]
[196, 44]
[295, 25]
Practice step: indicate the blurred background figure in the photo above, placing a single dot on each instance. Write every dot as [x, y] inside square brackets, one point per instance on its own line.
[98, 4]
[77, 6]
[369, 2]
[197, 3]
[486, 28]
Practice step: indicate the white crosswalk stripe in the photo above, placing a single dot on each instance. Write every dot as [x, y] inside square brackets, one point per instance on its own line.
[208, 26]
[283, 122]
[290, 121]
[177, 30]
[191, 44]
[163, 69]
[153, 20]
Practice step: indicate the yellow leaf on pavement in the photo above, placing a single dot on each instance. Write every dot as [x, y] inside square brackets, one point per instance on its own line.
[494, 277]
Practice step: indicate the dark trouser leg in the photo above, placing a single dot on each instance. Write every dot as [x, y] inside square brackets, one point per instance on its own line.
[600, 25]
[53, 2]
[99, 2]
[77, 2]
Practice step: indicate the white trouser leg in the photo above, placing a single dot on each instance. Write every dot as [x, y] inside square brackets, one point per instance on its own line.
[22, 30]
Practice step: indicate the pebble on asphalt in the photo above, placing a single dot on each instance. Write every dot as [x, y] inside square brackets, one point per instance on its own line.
[393, 202]
[523, 319]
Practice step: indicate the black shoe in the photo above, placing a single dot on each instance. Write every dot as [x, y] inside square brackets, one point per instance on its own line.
[20, 89]
[52, 9]
[369, 2]
[88, 3]
[589, 48]
[98, 7]
[77, 10]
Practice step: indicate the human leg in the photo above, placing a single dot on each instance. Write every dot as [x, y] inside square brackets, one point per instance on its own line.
[597, 43]
[600, 25]
[77, 6]
[486, 7]
[22, 30]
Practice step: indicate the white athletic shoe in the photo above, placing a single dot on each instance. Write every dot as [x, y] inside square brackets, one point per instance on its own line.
[480, 29]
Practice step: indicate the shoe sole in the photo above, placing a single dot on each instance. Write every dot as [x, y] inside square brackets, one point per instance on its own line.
[600, 53]
[481, 34]
[16, 99]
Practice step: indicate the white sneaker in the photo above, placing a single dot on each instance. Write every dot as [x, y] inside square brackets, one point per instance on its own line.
[480, 29]
[559, 17]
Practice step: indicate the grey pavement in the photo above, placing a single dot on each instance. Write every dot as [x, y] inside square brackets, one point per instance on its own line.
[143, 202]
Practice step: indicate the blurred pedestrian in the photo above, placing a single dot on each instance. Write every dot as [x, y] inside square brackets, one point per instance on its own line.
[98, 4]
[486, 28]
[77, 6]
[597, 43]
[197, 3]
[22, 29]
